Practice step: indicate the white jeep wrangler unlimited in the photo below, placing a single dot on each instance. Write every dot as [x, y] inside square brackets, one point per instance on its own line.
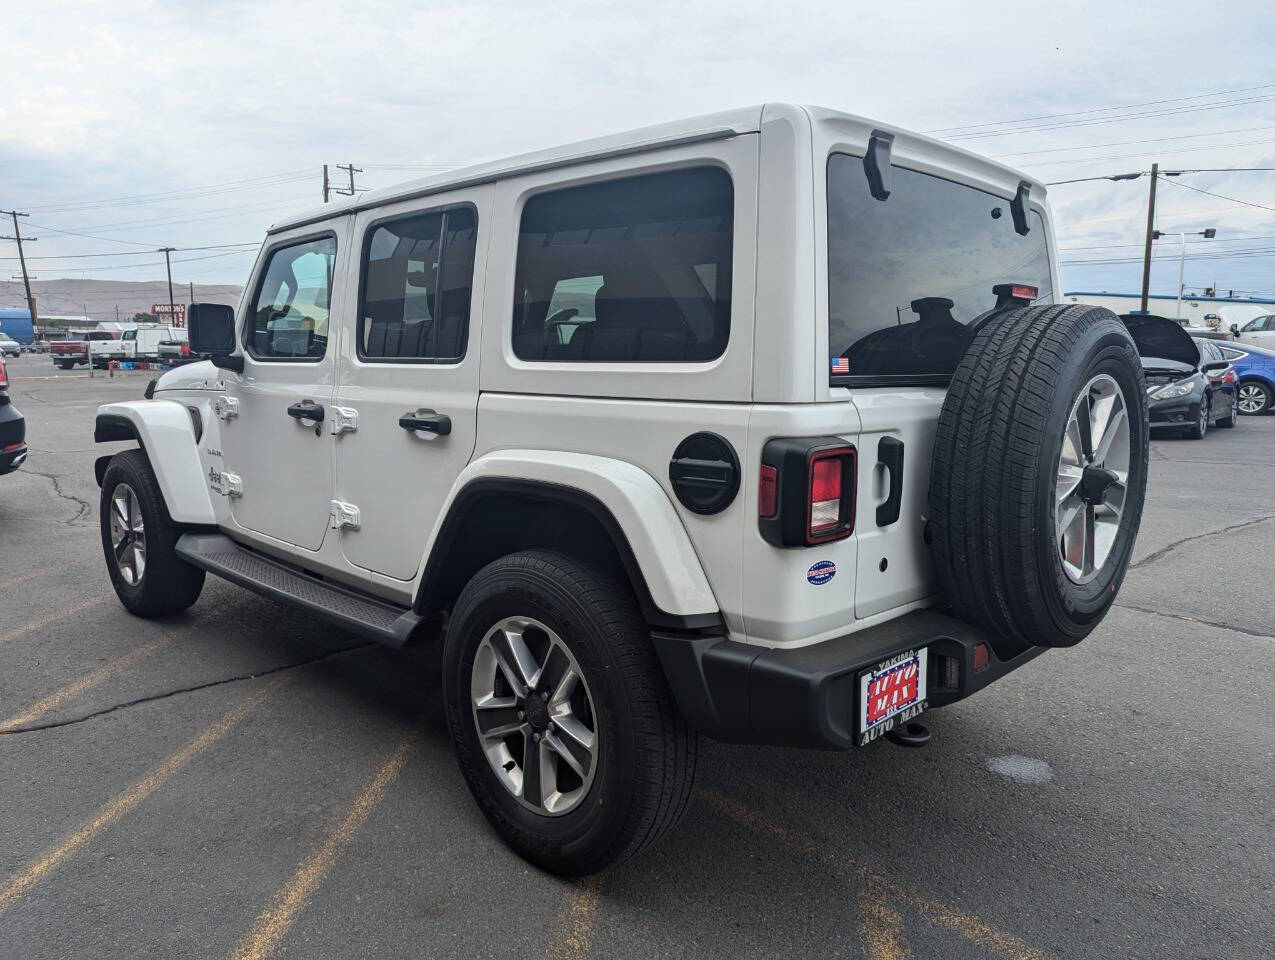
[761, 425]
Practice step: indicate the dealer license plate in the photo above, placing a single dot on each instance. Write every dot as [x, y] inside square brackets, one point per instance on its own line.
[890, 693]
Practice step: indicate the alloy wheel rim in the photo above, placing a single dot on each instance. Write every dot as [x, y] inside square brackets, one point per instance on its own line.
[128, 534]
[1092, 478]
[534, 716]
[1251, 399]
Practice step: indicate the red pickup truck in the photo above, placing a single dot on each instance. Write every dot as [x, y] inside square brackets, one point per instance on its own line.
[75, 349]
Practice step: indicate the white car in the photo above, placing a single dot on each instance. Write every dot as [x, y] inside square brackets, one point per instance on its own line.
[762, 426]
[1260, 331]
[10, 347]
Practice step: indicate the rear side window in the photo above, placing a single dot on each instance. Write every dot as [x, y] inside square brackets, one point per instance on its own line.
[909, 277]
[637, 269]
[289, 319]
[418, 277]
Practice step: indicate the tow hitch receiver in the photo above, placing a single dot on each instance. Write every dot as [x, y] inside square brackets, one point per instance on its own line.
[909, 734]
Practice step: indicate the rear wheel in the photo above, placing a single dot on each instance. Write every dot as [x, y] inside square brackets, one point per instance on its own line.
[563, 724]
[139, 541]
[1254, 398]
[1039, 474]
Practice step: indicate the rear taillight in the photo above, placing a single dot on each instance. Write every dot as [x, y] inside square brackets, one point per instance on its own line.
[806, 491]
[830, 510]
[4, 375]
[185, 349]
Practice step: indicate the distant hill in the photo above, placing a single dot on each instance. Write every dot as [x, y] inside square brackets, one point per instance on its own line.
[100, 298]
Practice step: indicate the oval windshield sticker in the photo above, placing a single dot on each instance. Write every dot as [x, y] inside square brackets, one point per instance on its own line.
[821, 572]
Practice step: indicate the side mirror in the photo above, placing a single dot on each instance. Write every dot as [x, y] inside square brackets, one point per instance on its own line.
[1215, 366]
[1235, 329]
[212, 331]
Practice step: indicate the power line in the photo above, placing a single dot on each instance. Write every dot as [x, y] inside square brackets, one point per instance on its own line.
[1077, 113]
[138, 253]
[229, 186]
[1221, 196]
[1116, 119]
[1130, 143]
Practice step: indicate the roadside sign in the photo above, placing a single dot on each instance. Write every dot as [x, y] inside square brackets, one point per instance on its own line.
[176, 313]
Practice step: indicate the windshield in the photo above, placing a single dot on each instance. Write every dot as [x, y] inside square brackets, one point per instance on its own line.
[908, 275]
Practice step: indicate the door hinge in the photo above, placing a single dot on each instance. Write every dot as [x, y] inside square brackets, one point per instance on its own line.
[344, 420]
[342, 514]
[226, 408]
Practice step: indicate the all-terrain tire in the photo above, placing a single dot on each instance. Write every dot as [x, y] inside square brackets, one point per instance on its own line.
[168, 584]
[996, 467]
[646, 757]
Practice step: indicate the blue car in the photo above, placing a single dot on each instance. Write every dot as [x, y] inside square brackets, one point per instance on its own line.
[1255, 367]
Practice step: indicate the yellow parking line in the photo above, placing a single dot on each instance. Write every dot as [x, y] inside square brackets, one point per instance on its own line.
[574, 934]
[31, 625]
[881, 929]
[59, 697]
[971, 928]
[33, 873]
[291, 899]
[23, 578]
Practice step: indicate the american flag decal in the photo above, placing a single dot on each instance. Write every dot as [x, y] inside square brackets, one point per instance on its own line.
[840, 365]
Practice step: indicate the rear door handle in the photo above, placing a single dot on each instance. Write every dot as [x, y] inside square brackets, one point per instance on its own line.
[427, 420]
[890, 456]
[306, 410]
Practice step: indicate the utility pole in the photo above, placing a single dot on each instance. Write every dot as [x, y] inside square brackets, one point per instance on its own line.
[172, 311]
[192, 290]
[1146, 256]
[325, 183]
[26, 278]
[352, 170]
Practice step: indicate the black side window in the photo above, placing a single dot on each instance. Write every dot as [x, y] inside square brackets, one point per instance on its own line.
[637, 269]
[289, 319]
[418, 276]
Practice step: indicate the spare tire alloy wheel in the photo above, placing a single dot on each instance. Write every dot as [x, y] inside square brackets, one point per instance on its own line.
[128, 534]
[534, 715]
[1093, 474]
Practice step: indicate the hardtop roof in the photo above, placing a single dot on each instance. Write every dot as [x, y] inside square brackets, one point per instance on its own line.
[711, 126]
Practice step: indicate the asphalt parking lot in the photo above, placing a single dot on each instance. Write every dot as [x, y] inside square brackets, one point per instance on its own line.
[245, 781]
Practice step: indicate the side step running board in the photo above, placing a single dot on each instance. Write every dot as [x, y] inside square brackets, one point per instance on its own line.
[367, 616]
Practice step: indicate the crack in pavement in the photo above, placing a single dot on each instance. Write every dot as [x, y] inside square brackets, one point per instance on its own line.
[1191, 619]
[83, 507]
[1165, 551]
[70, 721]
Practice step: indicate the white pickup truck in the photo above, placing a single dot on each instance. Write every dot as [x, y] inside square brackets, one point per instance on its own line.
[142, 343]
[763, 426]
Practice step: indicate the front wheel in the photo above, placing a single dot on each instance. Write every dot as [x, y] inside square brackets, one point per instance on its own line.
[1201, 426]
[139, 541]
[563, 723]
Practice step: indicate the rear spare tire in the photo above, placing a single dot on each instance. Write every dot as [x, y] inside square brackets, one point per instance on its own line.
[1039, 474]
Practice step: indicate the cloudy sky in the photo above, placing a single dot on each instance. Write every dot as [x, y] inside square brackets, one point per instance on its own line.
[127, 125]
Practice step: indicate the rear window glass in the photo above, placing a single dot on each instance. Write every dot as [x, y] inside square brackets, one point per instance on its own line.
[637, 269]
[908, 277]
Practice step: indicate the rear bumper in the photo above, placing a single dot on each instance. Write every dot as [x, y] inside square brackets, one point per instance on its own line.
[809, 696]
[13, 432]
